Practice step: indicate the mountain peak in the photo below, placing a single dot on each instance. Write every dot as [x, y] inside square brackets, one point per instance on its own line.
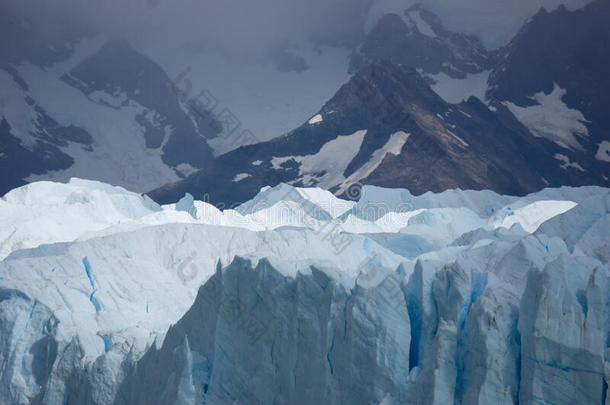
[380, 92]
[418, 39]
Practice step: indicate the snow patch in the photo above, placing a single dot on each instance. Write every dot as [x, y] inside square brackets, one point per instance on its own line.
[422, 26]
[603, 152]
[457, 138]
[325, 169]
[552, 118]
[393, 147]
[241, 176]
[566, 163]
[317, 119]
[186, 169]
[20, 116]
[457, 90]
[119, 154]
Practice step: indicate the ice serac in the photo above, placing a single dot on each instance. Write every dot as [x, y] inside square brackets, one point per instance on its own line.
[256, 336]
[561, 326]
[464, 297]
[28, 349]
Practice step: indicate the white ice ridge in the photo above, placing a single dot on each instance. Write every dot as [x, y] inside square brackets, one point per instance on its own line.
[114, 270]
[46, 212]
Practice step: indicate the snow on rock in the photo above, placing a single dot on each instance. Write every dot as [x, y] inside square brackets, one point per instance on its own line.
[566, 163]
[316, 119]
[118, 156]
[457, 90]
[298, 296]
[393, 146]
[414, 17]
[325, 169]
[603, 152]
[241, 176]
[551, 118]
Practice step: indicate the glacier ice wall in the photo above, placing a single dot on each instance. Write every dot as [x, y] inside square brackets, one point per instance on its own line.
[460, 297]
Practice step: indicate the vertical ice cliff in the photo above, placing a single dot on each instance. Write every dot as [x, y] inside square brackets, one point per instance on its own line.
[459, 297]
[256, 336]
[562, 334]
[28, 349]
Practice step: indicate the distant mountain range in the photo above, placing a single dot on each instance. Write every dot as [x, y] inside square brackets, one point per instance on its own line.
[425, 109]
[379, 217]
[113, 115]
[388, 127]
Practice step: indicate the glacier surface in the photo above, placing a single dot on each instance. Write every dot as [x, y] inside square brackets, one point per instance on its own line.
[298, 297]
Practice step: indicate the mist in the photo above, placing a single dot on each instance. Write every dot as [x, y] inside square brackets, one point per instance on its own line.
[244, 27]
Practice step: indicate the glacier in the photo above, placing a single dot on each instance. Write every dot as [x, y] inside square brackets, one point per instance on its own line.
[299, 297]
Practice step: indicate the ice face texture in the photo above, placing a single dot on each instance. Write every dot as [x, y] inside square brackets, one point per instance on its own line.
[299, 297]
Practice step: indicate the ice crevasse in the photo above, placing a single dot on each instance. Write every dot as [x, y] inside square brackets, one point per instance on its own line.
[297, 297]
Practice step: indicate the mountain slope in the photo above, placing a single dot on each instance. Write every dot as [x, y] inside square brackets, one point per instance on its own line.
[387, 127]
[553, 77]
[456, 65]
[117, 75]
[102, 111]
[418, 39]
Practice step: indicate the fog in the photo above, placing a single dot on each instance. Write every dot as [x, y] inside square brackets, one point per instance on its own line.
[493, 21]
[248, 26]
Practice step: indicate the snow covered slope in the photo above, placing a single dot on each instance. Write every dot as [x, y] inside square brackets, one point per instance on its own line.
[104, 112]
[553, 78]
[387, 127]
[320, 296]
[151, 111]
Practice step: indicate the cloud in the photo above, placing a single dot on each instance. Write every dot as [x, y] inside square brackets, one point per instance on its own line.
[249, 26]
[494, 21]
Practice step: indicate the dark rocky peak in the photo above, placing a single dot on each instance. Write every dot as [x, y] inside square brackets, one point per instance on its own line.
[570, 48]
[554, 75]
[419, 40]
[118, 75]
[410, 138]
[380, 93]
[118, 68]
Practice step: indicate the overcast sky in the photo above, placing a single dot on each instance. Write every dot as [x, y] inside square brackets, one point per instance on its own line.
[252, 24]
[494, 21]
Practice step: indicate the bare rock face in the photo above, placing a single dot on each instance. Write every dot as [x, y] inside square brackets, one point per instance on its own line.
[112, 115]
[553, 69]
[386, 127]
[418, 39]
